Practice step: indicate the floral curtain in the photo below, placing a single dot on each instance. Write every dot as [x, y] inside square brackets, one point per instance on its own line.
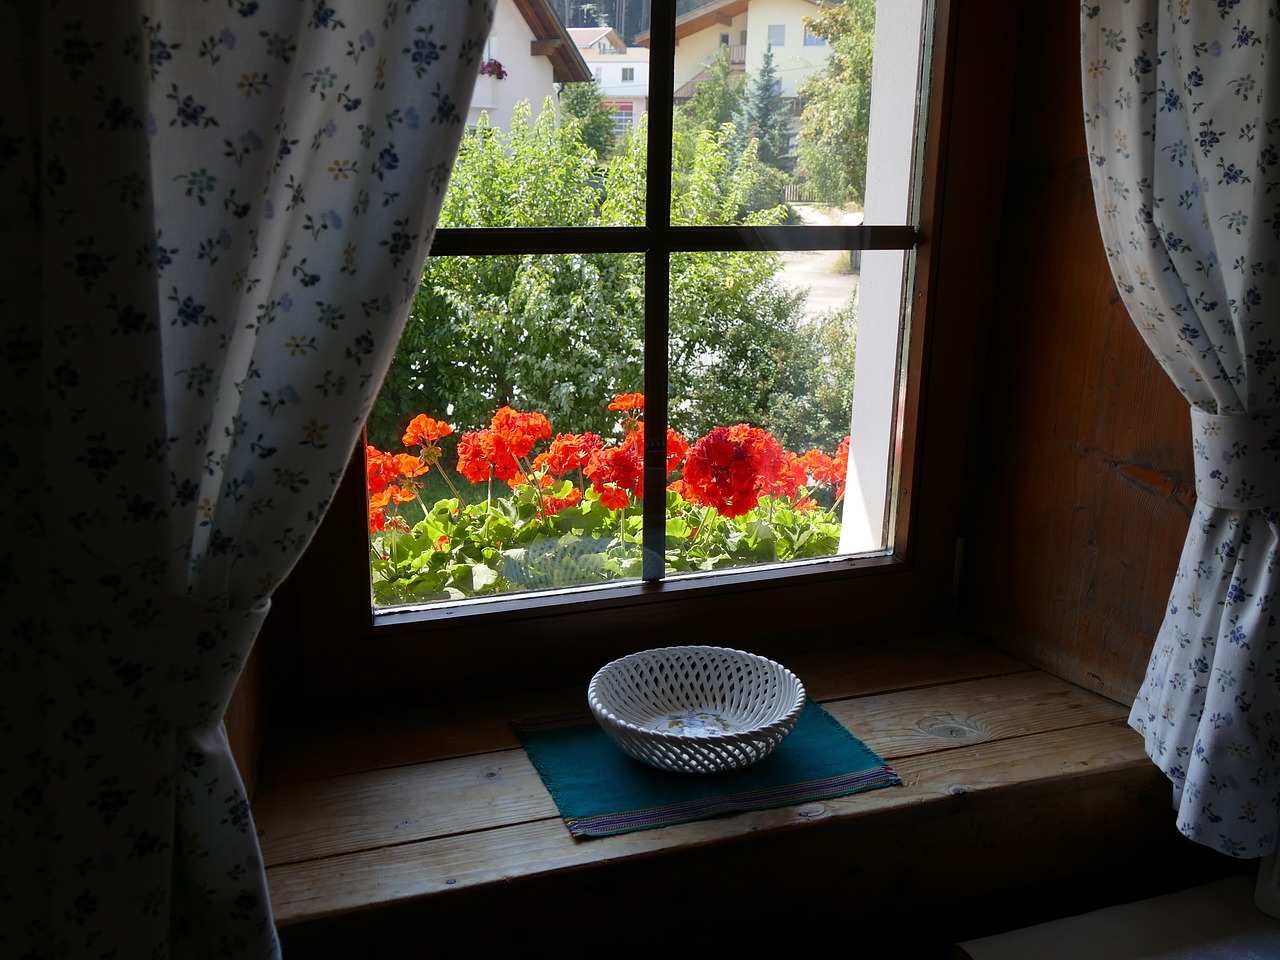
[213, 217]
[1183, 125]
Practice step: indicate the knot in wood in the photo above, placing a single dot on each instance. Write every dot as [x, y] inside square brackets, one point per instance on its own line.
[951, 728]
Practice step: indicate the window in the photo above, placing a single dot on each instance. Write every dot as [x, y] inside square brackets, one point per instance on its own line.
[553, 491]
[623, 119]
[811, 39]
[628, 74]
[777, 34]
[758, 608]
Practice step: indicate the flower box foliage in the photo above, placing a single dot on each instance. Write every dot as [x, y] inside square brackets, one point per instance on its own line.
[493, 68]
[570, 512]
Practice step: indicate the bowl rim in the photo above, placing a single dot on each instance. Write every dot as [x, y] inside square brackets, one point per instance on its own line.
[792, 712]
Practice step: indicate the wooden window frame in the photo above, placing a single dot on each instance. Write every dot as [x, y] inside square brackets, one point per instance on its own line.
[321, 646]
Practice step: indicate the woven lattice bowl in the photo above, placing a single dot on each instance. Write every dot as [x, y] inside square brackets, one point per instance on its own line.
[696, 709]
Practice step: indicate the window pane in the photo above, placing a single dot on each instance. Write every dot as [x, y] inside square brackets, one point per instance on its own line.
[762, 376]
[544, 127]
[794, 121]
[520, 357]
[536, 360]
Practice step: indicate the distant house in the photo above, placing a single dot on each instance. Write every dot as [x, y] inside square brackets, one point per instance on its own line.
[747, 28]
[528, 52]
[621, 71]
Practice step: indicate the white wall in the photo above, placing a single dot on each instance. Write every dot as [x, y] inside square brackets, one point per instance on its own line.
[529, 77]
[794, 62]
[881, 313]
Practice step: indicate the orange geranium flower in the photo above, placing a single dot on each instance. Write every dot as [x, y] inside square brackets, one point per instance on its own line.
[568, 452]
[520, 431]
[677, 446]
[819, 466]
[627, 401]
[474, 449]
[791, 475]
[410, 466]
[841, 462]
[423, 431]
[552, 504]
[392, 494]
[612, 496]
[677, 449]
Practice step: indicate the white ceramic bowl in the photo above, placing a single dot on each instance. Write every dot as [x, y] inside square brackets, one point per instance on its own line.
[696, 709]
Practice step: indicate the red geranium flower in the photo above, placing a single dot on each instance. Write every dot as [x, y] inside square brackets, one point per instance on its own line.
[729, 468]
[380, 469]
[617, 466]
[720, 472]
[613, 497]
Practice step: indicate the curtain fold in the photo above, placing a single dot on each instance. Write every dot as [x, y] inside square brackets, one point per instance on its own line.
[213, 217]
[1183, 128]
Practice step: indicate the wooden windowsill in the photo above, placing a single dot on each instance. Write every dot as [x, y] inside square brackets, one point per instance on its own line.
[1012, 777]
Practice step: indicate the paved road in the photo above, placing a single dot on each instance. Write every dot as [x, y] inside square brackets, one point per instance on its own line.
[816, 269]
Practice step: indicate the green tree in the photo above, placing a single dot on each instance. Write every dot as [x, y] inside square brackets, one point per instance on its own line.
[718, 98]
[563, 333]
[585, 103]
[832, 144]
[712, 109]
[761, 115]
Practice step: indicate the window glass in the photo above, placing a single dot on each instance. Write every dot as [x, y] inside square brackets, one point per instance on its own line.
[777, 34]
[506, 448]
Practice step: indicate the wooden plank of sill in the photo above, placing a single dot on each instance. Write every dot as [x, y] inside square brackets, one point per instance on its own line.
[1056, 763]
[380, 808]
[350, 745]
[344, 815]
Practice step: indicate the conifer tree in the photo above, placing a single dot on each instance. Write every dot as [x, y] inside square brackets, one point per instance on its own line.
[762, 116]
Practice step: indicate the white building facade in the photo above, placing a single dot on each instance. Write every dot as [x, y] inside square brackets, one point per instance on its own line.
[621, 71]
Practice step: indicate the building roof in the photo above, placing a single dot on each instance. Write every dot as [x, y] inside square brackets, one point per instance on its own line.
[590, 36]
[552, 40]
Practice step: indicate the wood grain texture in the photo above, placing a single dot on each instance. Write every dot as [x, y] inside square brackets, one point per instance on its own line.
[245, 721]
[945, 741]
[936, 785]
[377, 808]
[1015, 782]
[1085, 486]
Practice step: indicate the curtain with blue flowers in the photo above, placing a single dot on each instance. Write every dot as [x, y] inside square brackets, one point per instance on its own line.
[213, 218]
[1182, 113]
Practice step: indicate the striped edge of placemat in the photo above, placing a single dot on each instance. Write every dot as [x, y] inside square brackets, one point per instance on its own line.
[826, 789]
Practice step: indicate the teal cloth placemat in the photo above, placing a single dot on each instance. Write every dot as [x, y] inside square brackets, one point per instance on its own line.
[601, 791]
